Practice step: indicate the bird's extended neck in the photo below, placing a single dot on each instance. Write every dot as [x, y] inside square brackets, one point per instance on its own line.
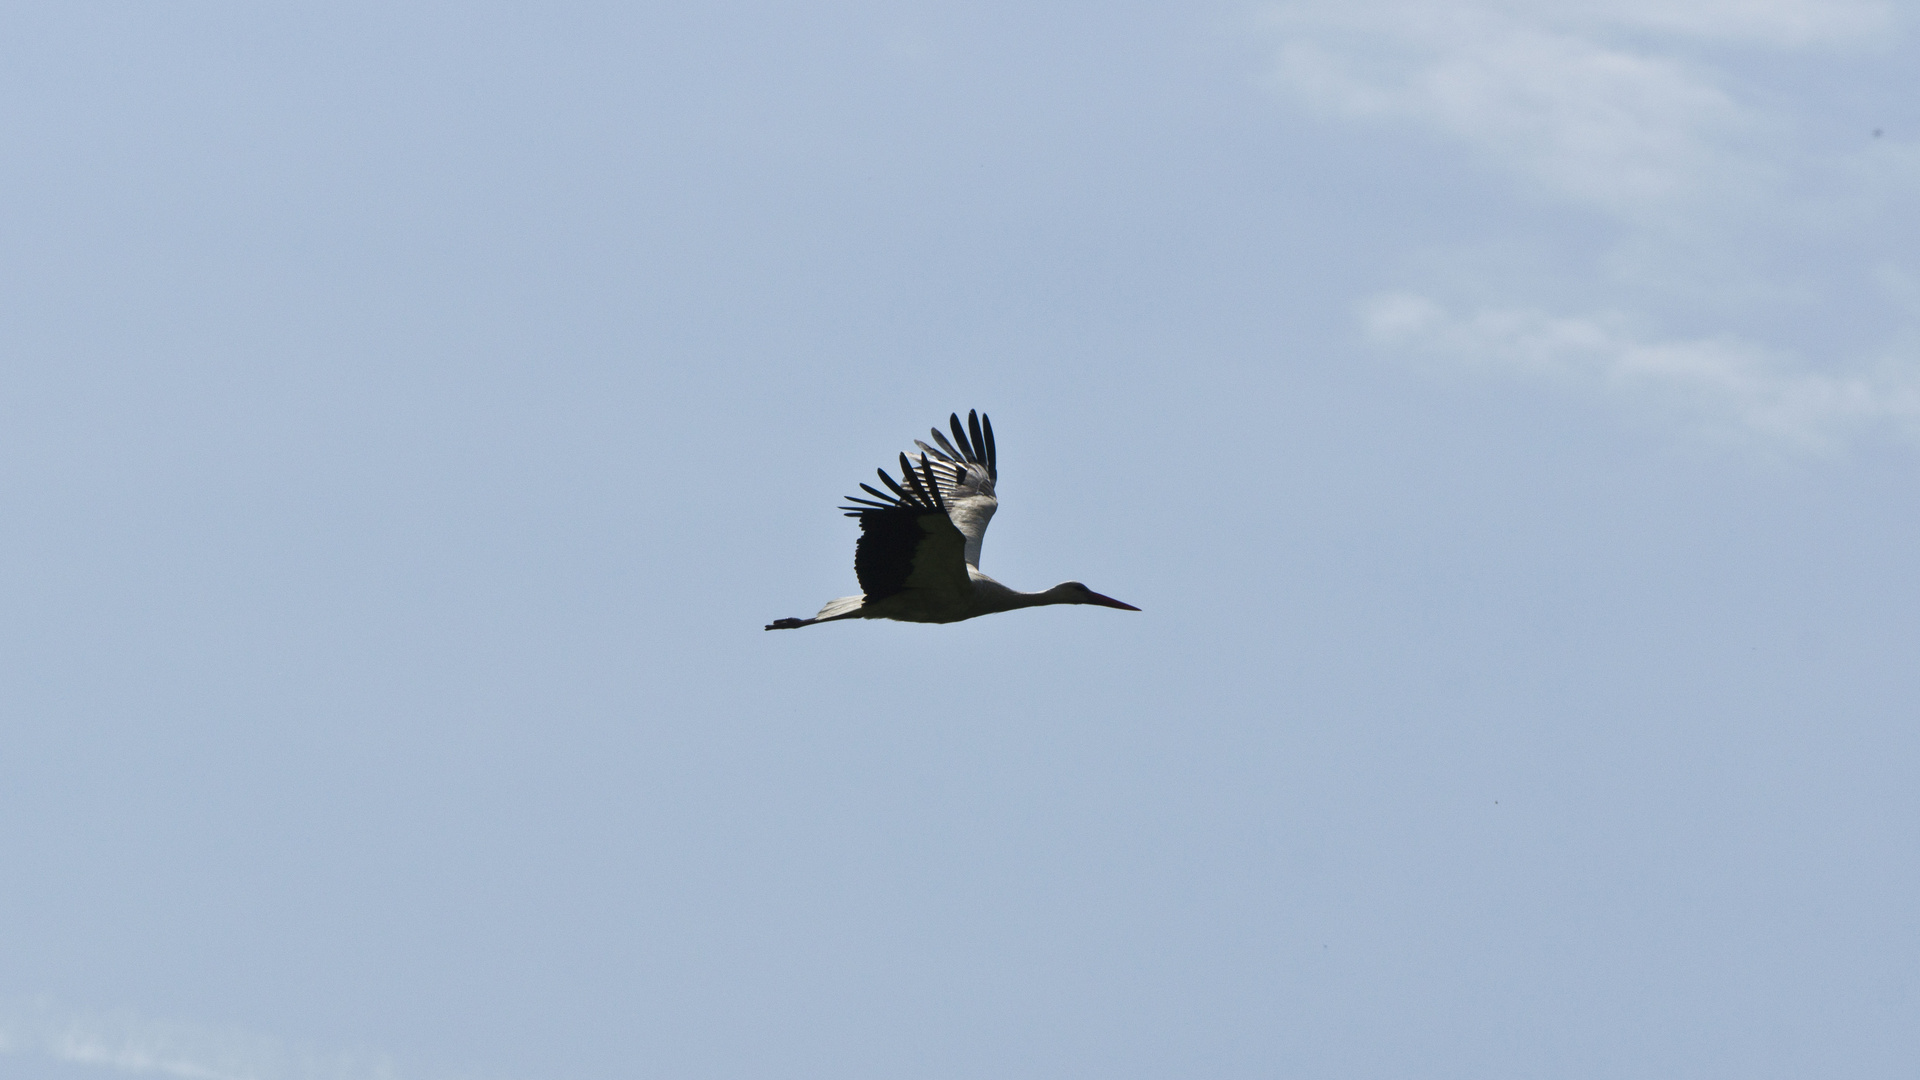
[990, 595]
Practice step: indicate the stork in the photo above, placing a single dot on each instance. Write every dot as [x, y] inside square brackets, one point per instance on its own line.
[918, 559]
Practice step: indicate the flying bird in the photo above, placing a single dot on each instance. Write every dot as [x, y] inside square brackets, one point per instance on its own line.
[918, 559]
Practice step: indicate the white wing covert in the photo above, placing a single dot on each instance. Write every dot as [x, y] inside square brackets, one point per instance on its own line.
[965, 471]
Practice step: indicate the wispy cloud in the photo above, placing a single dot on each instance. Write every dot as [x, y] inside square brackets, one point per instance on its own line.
[125, 1043]
[1621, 130]
[1726, 199]
[1724, 383]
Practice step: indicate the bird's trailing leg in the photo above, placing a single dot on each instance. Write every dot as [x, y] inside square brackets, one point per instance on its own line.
[847, 607]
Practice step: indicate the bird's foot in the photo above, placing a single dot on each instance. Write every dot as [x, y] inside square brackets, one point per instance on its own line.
[787, 624]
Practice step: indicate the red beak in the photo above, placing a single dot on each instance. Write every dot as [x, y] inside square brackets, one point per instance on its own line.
[1108, 601]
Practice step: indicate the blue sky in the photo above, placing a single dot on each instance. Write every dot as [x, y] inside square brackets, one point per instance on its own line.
[1505, 415]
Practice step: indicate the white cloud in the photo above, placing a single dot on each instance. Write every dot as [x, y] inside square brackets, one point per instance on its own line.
[1618, 129]
[1779, 23]
[1734, 211]
[1723, 382]
[125, 1043]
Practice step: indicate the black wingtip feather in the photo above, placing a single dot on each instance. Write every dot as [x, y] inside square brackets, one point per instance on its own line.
[926, 472]
[975, 447]
[925, 500]
[945, 446]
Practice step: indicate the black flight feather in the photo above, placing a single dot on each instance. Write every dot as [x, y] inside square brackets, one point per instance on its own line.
[883, 559]
[890, 532]
[926, 473]
[952, 454]
[919, 490]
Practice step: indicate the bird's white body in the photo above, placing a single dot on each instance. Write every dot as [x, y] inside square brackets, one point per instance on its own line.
[919, 552]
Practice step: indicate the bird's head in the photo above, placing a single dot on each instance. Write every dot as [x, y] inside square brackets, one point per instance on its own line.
[1072, 592]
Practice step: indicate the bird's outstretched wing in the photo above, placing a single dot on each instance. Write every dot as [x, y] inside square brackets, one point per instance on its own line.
[908, 541]
[965, 471]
